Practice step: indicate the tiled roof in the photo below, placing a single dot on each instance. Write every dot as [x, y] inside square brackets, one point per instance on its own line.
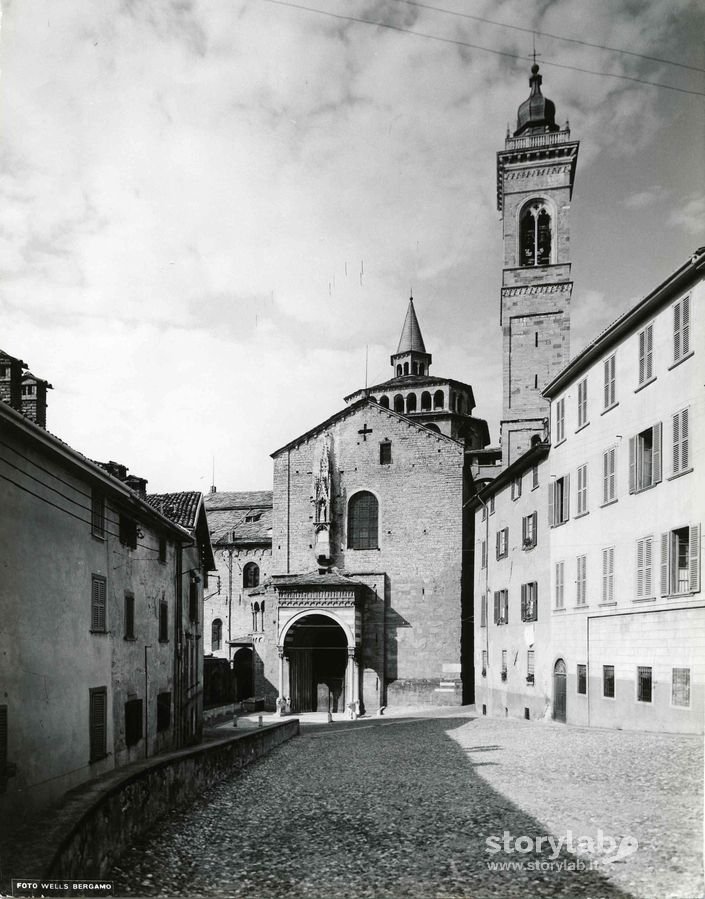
[312, 579]
[240, 517]
[180, 508]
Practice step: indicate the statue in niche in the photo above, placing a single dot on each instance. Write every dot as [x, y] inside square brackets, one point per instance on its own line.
[321, 501]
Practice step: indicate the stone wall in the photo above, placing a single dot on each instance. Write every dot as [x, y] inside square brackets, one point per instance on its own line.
[86, 834]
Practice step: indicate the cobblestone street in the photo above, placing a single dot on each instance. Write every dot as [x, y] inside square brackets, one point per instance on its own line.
[404, 806]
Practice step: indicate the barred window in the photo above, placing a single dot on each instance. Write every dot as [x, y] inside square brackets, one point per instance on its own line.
[363, 519]
[680, 687]
[582, 679]
[643, 683]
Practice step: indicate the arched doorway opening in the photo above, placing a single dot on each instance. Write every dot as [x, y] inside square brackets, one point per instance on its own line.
[559, 691]
[242, 672]
[316, 648]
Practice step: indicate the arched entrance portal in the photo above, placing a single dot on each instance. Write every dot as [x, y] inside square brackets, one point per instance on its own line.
[242, 672]
[316, 648]
[559, 691]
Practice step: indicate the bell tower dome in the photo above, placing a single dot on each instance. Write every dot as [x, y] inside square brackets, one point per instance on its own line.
[535, 176]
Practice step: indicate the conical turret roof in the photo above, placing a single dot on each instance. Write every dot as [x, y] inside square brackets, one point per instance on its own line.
[411, 340]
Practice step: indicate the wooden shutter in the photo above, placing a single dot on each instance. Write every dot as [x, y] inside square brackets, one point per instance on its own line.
[605, 476]
[605, 575]
[496, 607]
[98, 604]
[632, 464]
[684, 453]
[565, 512]
[523, 602]
[649, 362]
[642, 356]
[505, 604]
[607, 383]
[685, 326]
[98, 722]
[694, 559]
[497, 540]
[535, 529]
[3, 743]
[551, 495]
[665, 564]
[611, 574]
[676, 443]
[677, 332]
[640, 568]
[656, 454]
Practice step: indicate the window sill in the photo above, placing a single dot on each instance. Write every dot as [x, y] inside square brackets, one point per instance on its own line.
[583, 608]
[645, 384]
[535, 487]
[647, 487]
[559, 524]
[560, 610]
[581, 514]
[99, 633]
[682, 359]
[100, 537]
[130, 639]
[98, 758]
[644, 599]
[559, 443]
[609, 408]
[528, 620]
[607, 605]
[527, 549]
[610, 502]
[582, 427]
[680, 474]
[163, 642]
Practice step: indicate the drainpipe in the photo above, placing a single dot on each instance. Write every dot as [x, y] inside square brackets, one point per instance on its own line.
[288, 506]
[146, 702]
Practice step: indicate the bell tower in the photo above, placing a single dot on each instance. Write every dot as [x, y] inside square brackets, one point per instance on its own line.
[535, 175]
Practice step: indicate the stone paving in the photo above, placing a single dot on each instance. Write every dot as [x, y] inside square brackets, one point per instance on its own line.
[403, 807]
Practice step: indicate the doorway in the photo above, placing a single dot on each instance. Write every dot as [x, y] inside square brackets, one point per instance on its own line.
[559, 691]
[316, 648]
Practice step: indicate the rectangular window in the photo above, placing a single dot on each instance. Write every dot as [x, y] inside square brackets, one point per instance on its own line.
[644, 570]
[516, 488]
[163, 711]
[98, 515]
[582, 490]
[483, 610]
[129, 616]
[681, 449]
[484, 554]
[559, 501]
[484, 662]
[643, 683]
[582, 679]
[503, 543]
[646, 354]
[608, 574]
[3, 748]
[162, 548]
[385, 452]
[501, 607]
[581, 581]
[610, 382]
[504, 664]
[680, 687]
[528, 530]
[492, 505]
[534, 477]
[609, 475]
[529, 601]
[680, 561]
[163, 621]
[582, 403]
[133, 721]
[128, 531]
[681, 329]
[645, 459]
[560, 574]
[529, 666]
[560, 420]
[193, 597]
[608, 681]
[484, 513]
[98, 618]
[98, 722]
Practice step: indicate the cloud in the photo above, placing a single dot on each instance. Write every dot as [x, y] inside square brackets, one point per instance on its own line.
[691, 216]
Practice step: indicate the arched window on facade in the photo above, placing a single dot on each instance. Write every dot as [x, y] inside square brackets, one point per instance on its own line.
[216, 634]
[425, 401]
[438, 399]
[411, 402]
[535, 235]
[255, 615]
[363, 521]
[261, 615]
[433, 427]
[374, 399]
[384, 401]
[406, 368]
[250, 575]
[399, 403]
[399, 370]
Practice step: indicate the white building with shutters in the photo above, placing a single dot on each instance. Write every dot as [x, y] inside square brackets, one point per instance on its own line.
[625, 508]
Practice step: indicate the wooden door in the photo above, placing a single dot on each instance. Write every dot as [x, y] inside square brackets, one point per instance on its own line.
[559, 691]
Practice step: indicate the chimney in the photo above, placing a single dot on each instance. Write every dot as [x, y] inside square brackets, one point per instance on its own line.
[34, 398]
[139, 485]
[11, 380]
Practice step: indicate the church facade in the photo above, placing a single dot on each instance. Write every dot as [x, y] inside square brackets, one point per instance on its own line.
[370, 600]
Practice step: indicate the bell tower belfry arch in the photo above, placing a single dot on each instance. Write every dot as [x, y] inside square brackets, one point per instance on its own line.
[535, 176]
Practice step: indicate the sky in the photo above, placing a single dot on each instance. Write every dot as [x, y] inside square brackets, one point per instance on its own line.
[212, 212]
